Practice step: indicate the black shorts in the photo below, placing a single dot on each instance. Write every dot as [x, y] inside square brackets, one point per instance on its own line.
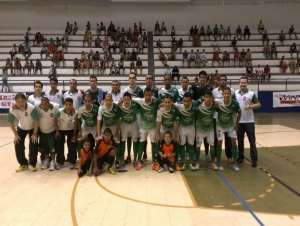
[168, 163]
[102, 160]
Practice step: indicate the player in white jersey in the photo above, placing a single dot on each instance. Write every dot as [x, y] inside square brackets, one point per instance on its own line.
[38, 88]
[116, 92]
[74, 94]
[54, 95]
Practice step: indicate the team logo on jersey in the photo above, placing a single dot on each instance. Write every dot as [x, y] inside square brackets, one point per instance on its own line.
[78, 98]
[51, 115]
[58, 96]
[26, 114]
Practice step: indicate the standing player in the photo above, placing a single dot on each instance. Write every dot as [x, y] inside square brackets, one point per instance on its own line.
[149, 84]
[38, 88]
[149, 108]
[129, 125]
[28, 124]
[247, 101]
[226, 123]
[204, 126]
[108, 117]
[64, 126]
[95, 92]
[184, 88]
[54, 95]
[168, 89]
[186, 127]
[167, 118]
[74, 94]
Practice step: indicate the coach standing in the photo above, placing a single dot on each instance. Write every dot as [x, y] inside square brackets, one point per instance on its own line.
[248, 101]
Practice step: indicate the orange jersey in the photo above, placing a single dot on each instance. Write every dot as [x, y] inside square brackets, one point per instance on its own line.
[84, 156]
[168, 149]
[101, 148]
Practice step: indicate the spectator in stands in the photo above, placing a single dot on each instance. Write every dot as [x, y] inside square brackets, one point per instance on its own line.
[120, 66]
[215, 45]
[27, 51]
[88, 26]
[293, 49]
[281, 37]
[208, 32]
[185, 56]
[191, 33]
[248, 56]
[196, 41]
[52, 72]
[107, 58]
[61, 57]
[267, 50]
[282, 64]
[293, 64]
[175, 73]
[216, 32]
[17, 66]
[260, 27]
[111, 29]
[259, 73]
[238, 32]
[174, 44]
[98, 42]
[179, 44]
[105, 44]
[26, 66]
[195, 31]
[31, 65]
[38, 66]
[139, 65]
[168, 70]
[159, 44]
[45, 42]
[113, 67]
[13, 51]
[145, 39]
[156, 29]
[191, 58]
[68, 28]
[267, 72]
[247, 32]
[249, 71]
[102, 28]
[292, 31]
[64, 45]
[132, 67]
[226, 58]
[198, 57]
[233, 42]
[4, 80]
[216, 58]
[9, 65]
[242, 59]
[102, 66]
[140, 47]
[222, 32]
[228, 33]
[163, 28]
[171, 56]
[85, 38]
[75, 28]
[133, 55]
[98, 30]
[265, 37]
[111, 45]
[203, 59]
[273, 50]
[202, 33]
[81, 66]
[26, 36]
[236, 56]
[50, 50]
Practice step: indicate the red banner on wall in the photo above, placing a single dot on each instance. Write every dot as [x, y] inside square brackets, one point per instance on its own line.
[6, 99]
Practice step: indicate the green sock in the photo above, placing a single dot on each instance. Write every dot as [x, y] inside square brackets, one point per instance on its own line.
[141, 150]
[197, 153]
[182, 153]
[212, 155]
[118, 154]
[191, 153]
[177, 152]
[135, 150]
[122, 148]
[129, 146]
[154, 151]
[234, 153]
[219, 152]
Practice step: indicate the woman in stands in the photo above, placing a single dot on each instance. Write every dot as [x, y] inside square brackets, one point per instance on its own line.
[282, 64]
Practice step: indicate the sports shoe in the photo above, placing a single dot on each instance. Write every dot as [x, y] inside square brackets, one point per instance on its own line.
[157, 167]
[77, 165]
[161, 169]
[230, 160]
[215, 160]
[33, 168]
[22, 168]
[235, 168]
[59, 166]
[214, 166]
[122, 164]
[254, 163]
[128, 160]
[197, 166]
[138, 166]
[191, 167]
[144, 159]
[179, 158]
[183, 167]
[177, 167]
[111, 170]
[153, 166]
[207, 158]
[45, 164]
[72, 166]
[187, 156]
[52, 165]
[220, 167]
[240, 160]
[134, 164]
[117, 164]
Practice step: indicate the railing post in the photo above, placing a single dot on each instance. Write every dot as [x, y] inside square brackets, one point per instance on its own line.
[63, 84]
[286, 85]
[257, 85]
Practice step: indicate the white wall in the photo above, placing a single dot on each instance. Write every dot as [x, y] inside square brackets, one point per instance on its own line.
[276, 16]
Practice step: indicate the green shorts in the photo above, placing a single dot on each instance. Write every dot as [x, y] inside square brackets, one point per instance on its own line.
[47, 141]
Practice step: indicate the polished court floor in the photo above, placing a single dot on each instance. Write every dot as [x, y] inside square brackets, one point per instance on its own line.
[266, 195]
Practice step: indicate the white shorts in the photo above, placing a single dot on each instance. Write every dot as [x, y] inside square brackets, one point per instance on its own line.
[230, 133]
[186, 133]
[113, 130]
[210, 138]
[86, 130]
[163, 130]
[128, 130]
[144, 134]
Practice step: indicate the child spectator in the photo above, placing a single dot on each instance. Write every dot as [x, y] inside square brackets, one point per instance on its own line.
[85, 159]
[166, 155]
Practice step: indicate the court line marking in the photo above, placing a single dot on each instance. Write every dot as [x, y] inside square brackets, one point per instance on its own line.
[188, 189]
[6, 144]
[73, 214]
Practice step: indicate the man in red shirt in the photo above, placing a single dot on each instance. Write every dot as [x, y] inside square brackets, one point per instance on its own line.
[267, 72]
[216, 58]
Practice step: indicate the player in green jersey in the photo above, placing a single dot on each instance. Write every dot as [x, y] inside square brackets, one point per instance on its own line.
[129, 125]
[186, 127]
[168, 89]
[226, 123]
[109, 117]
[148, 110]
[205, 126]
[149, 84]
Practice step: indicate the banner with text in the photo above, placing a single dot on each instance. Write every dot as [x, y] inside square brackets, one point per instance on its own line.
[6, 99]
[286, 99]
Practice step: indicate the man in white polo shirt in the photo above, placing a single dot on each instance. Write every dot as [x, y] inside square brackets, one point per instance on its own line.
[54, 95]
[116, 92]
[74, 94]
[247, 101]
[38, 88]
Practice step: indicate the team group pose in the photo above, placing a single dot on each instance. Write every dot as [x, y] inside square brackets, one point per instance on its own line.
[97, 127]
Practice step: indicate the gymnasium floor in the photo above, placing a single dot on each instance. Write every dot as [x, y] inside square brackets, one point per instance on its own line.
[267, 195]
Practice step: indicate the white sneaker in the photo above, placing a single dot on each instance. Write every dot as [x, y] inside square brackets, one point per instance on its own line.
[45, 164]
[214, 166]
[235, 168]
[161, 169]
[197, 166]
[52, 165]
[220, 167]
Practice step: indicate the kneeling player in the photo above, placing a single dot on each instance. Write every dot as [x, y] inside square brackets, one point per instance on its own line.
[85, 159]
[166, 155]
